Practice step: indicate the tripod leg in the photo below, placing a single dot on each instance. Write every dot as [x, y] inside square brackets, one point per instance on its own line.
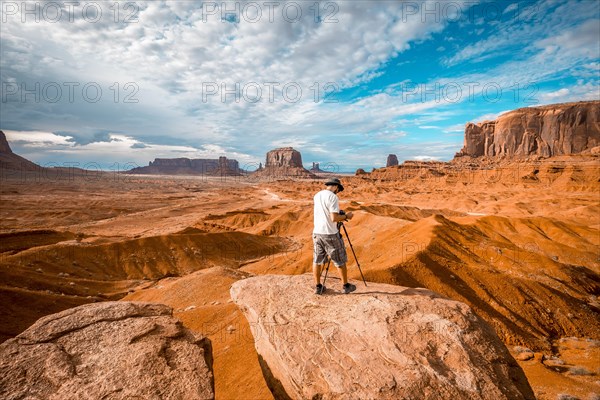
[353, 253]
[326, 271]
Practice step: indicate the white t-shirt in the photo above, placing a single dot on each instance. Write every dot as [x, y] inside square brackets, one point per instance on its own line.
[326, 202]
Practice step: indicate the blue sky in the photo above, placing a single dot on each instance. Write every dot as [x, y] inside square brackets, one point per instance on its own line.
[346, 83]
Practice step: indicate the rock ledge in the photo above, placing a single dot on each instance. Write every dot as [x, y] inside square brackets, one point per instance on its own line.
[381, 342]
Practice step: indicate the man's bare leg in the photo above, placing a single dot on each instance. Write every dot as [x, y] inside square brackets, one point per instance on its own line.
[348, 287]
[344, 273]
[317, 268]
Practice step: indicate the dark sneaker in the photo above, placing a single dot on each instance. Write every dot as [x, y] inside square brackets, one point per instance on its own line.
[319, 289]
[348, 287]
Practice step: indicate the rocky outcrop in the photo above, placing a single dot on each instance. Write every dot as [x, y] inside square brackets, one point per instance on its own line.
[186, 166]
[284, 162]
[4, 147]
[557, 129]
[116, 350]
[381, 342]
[12, 161]
[284, 157]
[392, 160]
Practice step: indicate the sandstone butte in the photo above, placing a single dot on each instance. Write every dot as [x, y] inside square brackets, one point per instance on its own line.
[111, 350]
[392, 160]
[284, 162]
[544, 131]
[382, 342]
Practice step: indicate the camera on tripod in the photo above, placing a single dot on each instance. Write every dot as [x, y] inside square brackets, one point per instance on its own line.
[340, 223]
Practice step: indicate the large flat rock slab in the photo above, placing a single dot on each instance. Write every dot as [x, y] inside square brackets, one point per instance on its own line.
[381, 342]
[111, 350]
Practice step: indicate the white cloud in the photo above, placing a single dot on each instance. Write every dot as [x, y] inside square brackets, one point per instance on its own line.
[489, 117]
[580, 42]
[578, 92]
[554, 34]
[424, 158]
[455, 128]
[511, 7]
[170, 52]
[555, 96]
[38, 139]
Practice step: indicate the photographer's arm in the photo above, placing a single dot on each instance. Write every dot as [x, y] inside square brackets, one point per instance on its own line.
[337, 217]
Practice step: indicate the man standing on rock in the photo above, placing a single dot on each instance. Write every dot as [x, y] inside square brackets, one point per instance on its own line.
[327, 239]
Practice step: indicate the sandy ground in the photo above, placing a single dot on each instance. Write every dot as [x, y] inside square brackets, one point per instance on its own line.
[519, 243]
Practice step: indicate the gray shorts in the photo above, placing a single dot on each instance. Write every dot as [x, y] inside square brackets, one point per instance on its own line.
[329, 245]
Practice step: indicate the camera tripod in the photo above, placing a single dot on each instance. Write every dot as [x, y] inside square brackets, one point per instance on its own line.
[341, 224]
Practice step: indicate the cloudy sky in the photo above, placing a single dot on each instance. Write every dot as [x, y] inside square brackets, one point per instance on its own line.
[344, 82]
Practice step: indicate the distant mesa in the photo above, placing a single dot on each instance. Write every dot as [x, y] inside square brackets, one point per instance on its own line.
[392, 160]
[284, 162]
[9, 160]
[186, 166]
[545, 131]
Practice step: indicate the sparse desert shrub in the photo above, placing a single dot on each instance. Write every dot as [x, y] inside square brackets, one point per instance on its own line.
[580, 371]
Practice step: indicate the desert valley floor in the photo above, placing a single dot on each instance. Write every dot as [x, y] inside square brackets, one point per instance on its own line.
[518, 242]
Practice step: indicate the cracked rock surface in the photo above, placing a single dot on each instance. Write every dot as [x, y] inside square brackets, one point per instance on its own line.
[380, 342]
[111, 350]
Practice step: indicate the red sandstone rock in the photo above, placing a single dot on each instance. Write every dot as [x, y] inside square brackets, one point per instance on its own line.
[380, 342]
[284, 157]
[557, 129]
[284, 162]
[116, 350]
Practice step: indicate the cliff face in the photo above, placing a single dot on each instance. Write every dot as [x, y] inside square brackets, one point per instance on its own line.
[558, 129]
[285, 157]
